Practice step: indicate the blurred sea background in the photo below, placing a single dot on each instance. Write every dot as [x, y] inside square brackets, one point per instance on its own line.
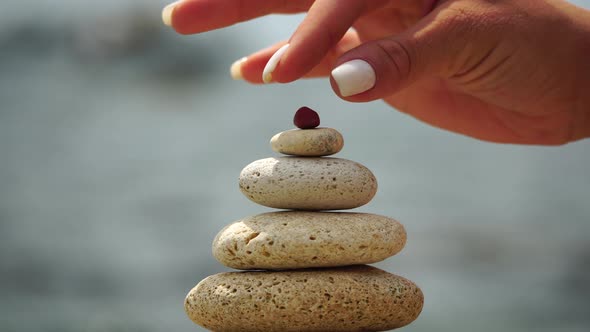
[120, 147]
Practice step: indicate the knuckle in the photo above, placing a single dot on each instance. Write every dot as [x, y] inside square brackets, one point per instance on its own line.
[469, 31]
[459, 20]
[480, 16]
[399, 57]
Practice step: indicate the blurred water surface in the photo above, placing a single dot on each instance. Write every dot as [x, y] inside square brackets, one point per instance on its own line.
[120, 146]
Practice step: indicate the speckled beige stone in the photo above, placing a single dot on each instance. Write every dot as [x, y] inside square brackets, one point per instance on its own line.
[308, 142]
[298, 239]
[308, 183]
[356, 298]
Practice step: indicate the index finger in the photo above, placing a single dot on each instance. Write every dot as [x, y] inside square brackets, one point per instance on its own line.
[194, 16]
[322, 28]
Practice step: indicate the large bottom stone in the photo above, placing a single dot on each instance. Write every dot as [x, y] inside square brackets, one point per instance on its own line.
[355, 298]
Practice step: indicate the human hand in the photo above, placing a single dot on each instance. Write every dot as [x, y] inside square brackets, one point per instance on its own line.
[510, 71]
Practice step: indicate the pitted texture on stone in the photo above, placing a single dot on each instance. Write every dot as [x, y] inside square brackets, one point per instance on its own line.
[308, 142]
[357, 298]
[297, 239]
[307, 183]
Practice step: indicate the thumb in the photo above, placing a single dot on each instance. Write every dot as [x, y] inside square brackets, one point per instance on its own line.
[380, 68]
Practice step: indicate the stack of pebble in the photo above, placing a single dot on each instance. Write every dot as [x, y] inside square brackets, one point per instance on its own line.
[313, 279]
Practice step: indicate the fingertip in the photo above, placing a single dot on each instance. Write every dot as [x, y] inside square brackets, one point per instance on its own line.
[287, 70]
[252, 68]
[236, 69]
[247, 69]
[271, 65]
[362, 97]
[354, 77]
[283, 66]
[168, 12]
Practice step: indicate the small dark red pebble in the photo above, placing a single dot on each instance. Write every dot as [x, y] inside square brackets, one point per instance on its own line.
[306, 118]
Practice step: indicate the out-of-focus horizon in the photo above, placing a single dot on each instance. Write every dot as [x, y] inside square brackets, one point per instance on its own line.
[120, 146]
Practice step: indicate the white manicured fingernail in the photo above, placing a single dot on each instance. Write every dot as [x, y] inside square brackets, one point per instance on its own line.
[354, 77]
[272, 64]
[167, 13]
[236, 69]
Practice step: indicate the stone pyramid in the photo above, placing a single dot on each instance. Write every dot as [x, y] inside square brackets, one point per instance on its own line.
[305, 265]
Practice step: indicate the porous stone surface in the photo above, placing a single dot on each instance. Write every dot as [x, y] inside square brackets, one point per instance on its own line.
[308, 183]
[308, 142]
[357, 298]
[299, 239]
